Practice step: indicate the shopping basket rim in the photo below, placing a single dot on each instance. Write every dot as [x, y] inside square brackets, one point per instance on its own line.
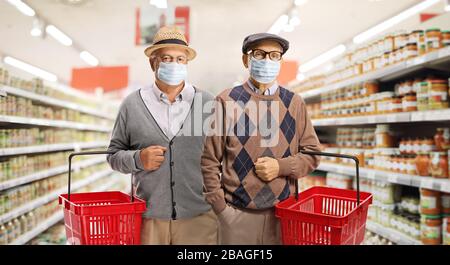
[302, 200]
[64, 197]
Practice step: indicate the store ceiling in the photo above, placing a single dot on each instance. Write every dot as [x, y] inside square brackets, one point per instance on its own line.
[106, 29]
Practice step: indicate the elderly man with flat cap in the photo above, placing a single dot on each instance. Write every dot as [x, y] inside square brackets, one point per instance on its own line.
[247, 171]
[154, 139]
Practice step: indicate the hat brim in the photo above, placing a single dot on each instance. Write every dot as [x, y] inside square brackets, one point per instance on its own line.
[191, 52]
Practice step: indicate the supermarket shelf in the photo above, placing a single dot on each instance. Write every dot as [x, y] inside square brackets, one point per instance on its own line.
[418, 116]
[52, 123]
[53, 101]
[50, 148]
[442, 185]
[433, 59]
[52, 196]
[391, 234]
[51, 221]
[49, 172]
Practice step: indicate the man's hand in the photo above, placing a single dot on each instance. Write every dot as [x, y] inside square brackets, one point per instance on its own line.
[267, 168]
[152, 157]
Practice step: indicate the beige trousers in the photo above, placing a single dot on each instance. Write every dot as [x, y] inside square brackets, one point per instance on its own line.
[248, 227]
[200, 230]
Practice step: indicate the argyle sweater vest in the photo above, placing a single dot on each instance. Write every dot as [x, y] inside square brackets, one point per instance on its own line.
[246, 142]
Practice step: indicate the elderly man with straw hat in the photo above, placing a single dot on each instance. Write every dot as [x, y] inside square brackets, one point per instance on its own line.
[155, 138]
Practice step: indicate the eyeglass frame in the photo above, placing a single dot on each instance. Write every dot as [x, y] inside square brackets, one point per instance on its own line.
[251, 52]
[172, 59]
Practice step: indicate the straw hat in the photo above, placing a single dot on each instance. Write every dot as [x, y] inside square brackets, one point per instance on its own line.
[170, 37]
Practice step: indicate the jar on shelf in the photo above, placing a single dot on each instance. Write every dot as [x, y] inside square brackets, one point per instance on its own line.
[446, 38]
[411, 51]
[427, 145]
[414, 37]
[370, 88]
[442, 139]
[422, 45]
[409, 102]
[422, 97]
[446, 230]
[431, 228]
[411, 165]
[439, 165]
[433, 39]
[384, 136]
[437, 94]
[396, 104]
[430, 202]
[423, 164]
[445, 203]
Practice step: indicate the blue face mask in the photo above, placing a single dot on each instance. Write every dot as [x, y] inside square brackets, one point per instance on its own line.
[264, 71]
[172, 73]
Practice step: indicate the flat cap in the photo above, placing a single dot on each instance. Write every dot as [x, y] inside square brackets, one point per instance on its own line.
[251, 40]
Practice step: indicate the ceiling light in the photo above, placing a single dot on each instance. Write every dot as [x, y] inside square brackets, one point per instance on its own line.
[279, 24]
[59, 35]
[159, 3]
[89, 58]
[300, 2]
[22, 7]
[393, 21]
[38, 28]
[294, 21]
[323, 58]
[30, 69]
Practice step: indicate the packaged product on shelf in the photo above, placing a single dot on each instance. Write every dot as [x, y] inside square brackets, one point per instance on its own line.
[423, 164]
[446, 230]
[446, 38]
[3, 234]
[439, 165]
[431, 229]
[410, 205]
[384, 136]
[445, 203]
[433, 39]
[10, 232]
[339, 181]
[442, 139]
[438, 94]
[430, 202]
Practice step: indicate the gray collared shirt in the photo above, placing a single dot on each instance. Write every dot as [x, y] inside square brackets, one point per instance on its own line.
[270, 91]
[169, 116]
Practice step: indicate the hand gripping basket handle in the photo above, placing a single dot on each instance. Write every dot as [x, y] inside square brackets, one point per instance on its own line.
[354, 158]
[91, 153]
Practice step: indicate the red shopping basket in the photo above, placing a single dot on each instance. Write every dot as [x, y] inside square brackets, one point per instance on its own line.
[101, 218]
[324, 216]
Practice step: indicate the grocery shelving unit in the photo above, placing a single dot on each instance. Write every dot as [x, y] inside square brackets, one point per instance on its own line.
[51, 148]
[73, 100]
[52, 101]
[437, 60]
[52, 196]
[51, 221]
[433, 61]
[402, 117]
[391, 234]
[52, 123]
[442, 185]
[48, 173]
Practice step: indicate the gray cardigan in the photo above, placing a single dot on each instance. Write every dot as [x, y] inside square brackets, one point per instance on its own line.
[175, 190]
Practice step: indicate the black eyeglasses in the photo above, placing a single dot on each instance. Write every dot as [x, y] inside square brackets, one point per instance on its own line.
[261, 55]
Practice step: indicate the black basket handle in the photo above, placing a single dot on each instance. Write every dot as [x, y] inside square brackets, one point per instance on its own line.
[354, 158]
[91, 153]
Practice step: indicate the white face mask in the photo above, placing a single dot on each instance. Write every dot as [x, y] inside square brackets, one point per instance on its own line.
[172, 73]
[264, 71]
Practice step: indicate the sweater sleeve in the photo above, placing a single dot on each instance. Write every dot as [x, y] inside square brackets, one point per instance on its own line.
[300, 165]
[123, 160]
[211, 161]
